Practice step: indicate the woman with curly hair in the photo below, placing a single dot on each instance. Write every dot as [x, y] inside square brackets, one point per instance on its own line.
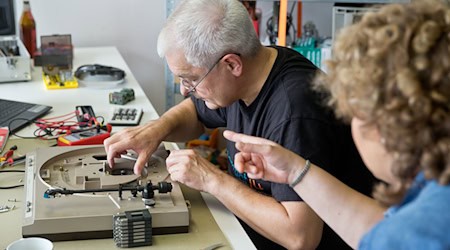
[390, 77]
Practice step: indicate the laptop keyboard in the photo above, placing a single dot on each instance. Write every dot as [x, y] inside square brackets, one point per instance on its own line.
[11, 109]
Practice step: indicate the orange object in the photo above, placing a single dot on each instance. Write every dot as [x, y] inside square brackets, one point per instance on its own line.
[282, 23]
[211, 142]
[7, 157]
[28, 29]
[89, 137]
[9, 153]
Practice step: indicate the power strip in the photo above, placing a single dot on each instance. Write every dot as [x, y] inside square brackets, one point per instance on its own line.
[123, 116]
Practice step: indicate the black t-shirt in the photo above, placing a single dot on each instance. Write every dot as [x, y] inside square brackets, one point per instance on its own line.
[289, 112]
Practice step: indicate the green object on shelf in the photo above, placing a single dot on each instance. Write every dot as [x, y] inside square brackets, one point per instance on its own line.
[307, 47]
[306, 42]
[312, 54]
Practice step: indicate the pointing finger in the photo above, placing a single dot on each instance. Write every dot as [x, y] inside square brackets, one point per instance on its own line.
[238, 137]
[253, 148]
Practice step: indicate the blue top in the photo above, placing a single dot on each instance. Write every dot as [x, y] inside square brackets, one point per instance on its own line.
[421, 221]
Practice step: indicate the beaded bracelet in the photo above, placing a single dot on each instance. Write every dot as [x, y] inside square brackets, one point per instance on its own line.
[301, 175]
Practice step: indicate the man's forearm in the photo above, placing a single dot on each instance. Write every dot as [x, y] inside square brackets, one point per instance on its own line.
[180, 123]
[293, 225]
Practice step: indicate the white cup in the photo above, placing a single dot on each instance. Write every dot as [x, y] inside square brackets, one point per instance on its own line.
[33, 243]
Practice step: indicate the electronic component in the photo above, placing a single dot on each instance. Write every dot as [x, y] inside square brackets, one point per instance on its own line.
[60, 80]
[89, 136]
[86, 193]
[90, 132]
[132, 228]
[83, 138]
[125, 116]
[122, 97]
[56, 60]
[85, 115]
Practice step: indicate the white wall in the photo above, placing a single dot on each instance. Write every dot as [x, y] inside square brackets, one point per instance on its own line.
[130, 25]
[133, 26]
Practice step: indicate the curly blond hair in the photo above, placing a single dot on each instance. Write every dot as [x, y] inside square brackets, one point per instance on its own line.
[392, 70]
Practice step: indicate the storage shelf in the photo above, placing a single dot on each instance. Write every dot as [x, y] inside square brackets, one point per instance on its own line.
[172, 89]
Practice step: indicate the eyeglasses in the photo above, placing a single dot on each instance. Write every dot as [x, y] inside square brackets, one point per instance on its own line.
[191, 86]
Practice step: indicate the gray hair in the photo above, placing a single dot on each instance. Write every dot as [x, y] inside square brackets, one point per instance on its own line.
[205, 30]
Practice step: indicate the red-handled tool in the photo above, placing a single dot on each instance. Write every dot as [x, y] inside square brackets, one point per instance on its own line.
[7, 157]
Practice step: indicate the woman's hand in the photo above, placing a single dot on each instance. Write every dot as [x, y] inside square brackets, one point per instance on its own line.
[263, 159]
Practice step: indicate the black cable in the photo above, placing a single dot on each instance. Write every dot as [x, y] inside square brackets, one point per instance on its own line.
[47, 131]
[292, 8]
[294, 36]
[11, 187]
[12, 171]
[16, 119]
[103, 118]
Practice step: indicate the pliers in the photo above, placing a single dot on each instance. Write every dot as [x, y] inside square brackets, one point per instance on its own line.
[7, 157]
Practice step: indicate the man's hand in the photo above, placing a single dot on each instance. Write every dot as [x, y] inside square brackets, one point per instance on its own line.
[263, 159]
[191, 169]
[142, 139]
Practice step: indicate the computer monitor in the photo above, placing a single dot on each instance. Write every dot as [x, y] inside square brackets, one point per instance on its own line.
[7, 21]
